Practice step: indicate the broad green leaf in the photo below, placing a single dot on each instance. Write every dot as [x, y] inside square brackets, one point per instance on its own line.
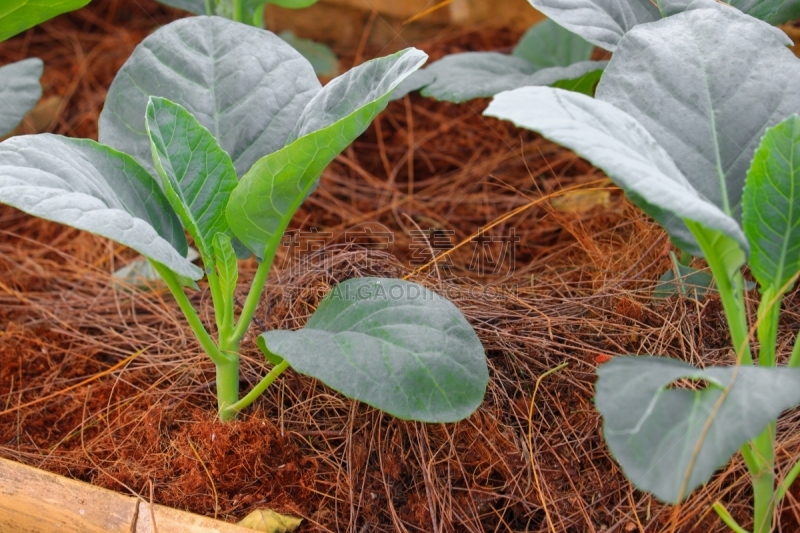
[245, 85]
[416, 81]
[605, 22]
[391, 344]
[196, 174]
[618, 144]
[320, 56]
[670, 440]
[19, 91]
[19, 15]
[546, 44]
[197, 7]
[227, 272]
[601, 22]
[261, 207]
[771, 205]
[461, 77]
[707, 110]
[93, 188]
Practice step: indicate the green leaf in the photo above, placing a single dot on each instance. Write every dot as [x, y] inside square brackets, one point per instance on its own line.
[245, 85]
[546, 44]
[262, 205]
[601, 22]
[196, 174]
[771, 205]
[93, 188]
[197, 7]
[702, 108]
[227, 273]
[391, 344]
[462, 77]
[585, 84]
[670, 440]
[18, 15]
[19, 91]
[618, 144]
[321, 57]
[142, 274]
[689, 283]
[605, 22]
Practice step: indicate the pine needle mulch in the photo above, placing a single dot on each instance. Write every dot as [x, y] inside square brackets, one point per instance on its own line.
[103, 382]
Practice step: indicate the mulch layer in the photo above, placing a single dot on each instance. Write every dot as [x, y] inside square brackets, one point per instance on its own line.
[103, 382]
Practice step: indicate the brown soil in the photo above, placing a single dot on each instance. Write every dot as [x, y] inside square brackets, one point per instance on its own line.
[531, 459]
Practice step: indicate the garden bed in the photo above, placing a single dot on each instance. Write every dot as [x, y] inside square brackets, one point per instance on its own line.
[105, 383]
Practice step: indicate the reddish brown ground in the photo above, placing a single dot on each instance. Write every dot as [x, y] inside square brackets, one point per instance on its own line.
[583, 293]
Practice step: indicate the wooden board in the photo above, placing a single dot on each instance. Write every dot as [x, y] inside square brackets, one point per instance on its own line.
[34, 501]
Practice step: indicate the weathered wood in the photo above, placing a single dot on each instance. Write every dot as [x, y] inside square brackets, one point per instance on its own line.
[34, 501]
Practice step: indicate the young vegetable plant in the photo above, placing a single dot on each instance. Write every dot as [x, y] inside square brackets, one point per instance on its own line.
[696, 119]
[19, 82]
[546, 55]
[222, 130]
[320, 56]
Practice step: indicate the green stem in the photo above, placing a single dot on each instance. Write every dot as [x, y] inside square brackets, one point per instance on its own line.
[216, 355]
[238, 14]
[794, 359]
[220, 311]
[731, 291]
[257, 391]
[258, 17]
[728, 519]
[256, 290]
[686, 258]
[786, 483]
[210, 8]
[227, 389]
[764, 480]
[768, 314]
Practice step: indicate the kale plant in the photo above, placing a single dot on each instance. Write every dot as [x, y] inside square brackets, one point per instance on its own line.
[696, 118]
[222, 130]
[546, 55]
[251, 12]
[19, 82]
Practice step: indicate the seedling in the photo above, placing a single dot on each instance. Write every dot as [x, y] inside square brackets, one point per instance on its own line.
[696, 119]
[546, 55]
[322, 58]
[222, 130]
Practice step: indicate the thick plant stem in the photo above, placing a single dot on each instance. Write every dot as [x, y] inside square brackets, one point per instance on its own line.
[227, 389]
[257, 391]
[238, 11]
[764, 480]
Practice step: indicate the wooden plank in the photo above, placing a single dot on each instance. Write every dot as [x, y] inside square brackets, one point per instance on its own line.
[174, 521]
[34, 501]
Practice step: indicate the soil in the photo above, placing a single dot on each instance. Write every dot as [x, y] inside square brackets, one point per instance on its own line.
[104, 382]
